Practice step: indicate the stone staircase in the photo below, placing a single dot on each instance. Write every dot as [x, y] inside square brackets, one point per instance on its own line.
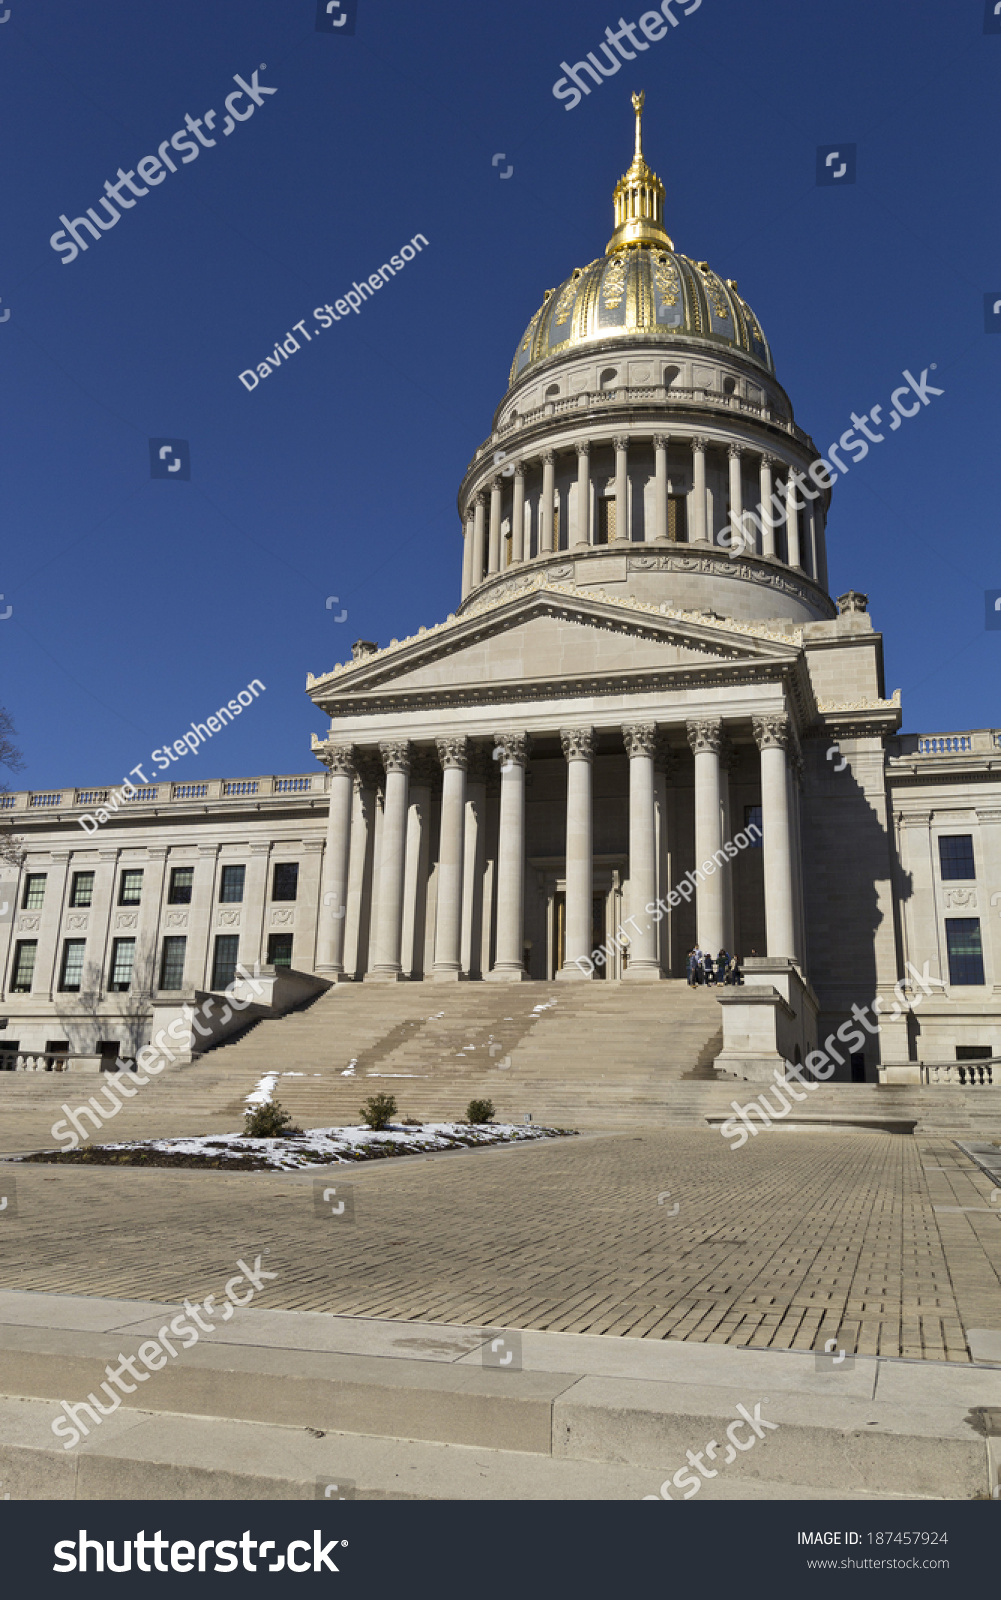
[597, 1057]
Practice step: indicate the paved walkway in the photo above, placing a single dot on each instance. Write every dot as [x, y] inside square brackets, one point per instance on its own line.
[792, 1240]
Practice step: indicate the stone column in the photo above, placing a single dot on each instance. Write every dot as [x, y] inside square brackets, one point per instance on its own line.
[772, 735]
[660, 488]
[578, 748]
[479, 538]
[700, 508]
[794, 775]
[820, 516]
[253, 945]
[706, 740]
[453, 755]
[583, 493]
[736, 488]
[423, 774]
[332, 910]
[546, 506]
[729, 759]
[467, 557]
[518, 515]
[767, 509]
[622, 530]
[392, 859]
[198, 922]
[150, 915]
[48, 956]
[510, 967]
[810, 538]
[665, 764]
[493, 556]
[358, 924]
[641, 742]
[793, 550]
[473, 958]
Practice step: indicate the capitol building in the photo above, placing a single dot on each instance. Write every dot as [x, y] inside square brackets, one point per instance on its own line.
[627, 696]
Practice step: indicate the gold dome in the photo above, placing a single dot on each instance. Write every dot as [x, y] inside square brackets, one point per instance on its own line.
[641, 286]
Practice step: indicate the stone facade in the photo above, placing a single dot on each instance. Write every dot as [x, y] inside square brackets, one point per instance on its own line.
[623, 690]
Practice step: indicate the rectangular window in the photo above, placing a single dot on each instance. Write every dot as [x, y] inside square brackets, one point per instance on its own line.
[24, 966]
[231, 884]
[82, 892]
[677, 519]
[123, 955]
[604, 533]
[172, 964]
[752, 815]
[974, 1052]
[285, 881]
[34, 891]
[130, 890]
[227, 953]
[966, 957]
[955, 855]
[280, 950]
[71, 973]
[181, 883]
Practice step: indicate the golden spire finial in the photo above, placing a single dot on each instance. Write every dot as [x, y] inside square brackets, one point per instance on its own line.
[639, 199]
[639, 101]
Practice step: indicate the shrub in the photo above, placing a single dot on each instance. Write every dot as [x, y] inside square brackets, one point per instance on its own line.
[379, 1111]
[270, 1121]
[479, 1110]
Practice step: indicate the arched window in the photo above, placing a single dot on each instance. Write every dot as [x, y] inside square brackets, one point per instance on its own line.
[670, 373]
[552, 391]
[608, 378]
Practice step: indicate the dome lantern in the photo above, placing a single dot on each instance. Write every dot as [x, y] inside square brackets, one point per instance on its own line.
[639, 199]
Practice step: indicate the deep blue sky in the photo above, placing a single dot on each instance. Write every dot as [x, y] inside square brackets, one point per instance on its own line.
[140, 605]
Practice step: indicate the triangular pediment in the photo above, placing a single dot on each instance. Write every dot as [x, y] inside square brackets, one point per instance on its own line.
[557, 635]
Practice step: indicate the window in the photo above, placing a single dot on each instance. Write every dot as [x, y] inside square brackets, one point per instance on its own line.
[8, 1054]
[974, 1052]
[955, 855]
[71, 974]
[966, 958]
[231, 885]
[605, 531]
[123, 955]
[172, 964]
[34, 891]
[82, 892]
[280, 950]
[60, 1049]
[752, 817]
[227, 952]
[108, 1050]
[677, 518]
[24, 966]
[285, 881]
[130, 890]
[181, 882]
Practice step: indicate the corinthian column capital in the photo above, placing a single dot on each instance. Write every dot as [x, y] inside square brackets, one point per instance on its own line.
[453, 752]
[337, 758]
[772, 733]
[583, 447]
[640, 738]
[515, 749]
[395, 756]
[706, 734]
[578, 743]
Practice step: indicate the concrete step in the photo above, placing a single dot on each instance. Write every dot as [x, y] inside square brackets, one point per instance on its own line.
[584, 1414]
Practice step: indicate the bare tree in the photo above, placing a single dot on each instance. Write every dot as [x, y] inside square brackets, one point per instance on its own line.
[12, 848]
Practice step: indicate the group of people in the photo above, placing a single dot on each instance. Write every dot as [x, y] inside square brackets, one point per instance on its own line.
[703, 967]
